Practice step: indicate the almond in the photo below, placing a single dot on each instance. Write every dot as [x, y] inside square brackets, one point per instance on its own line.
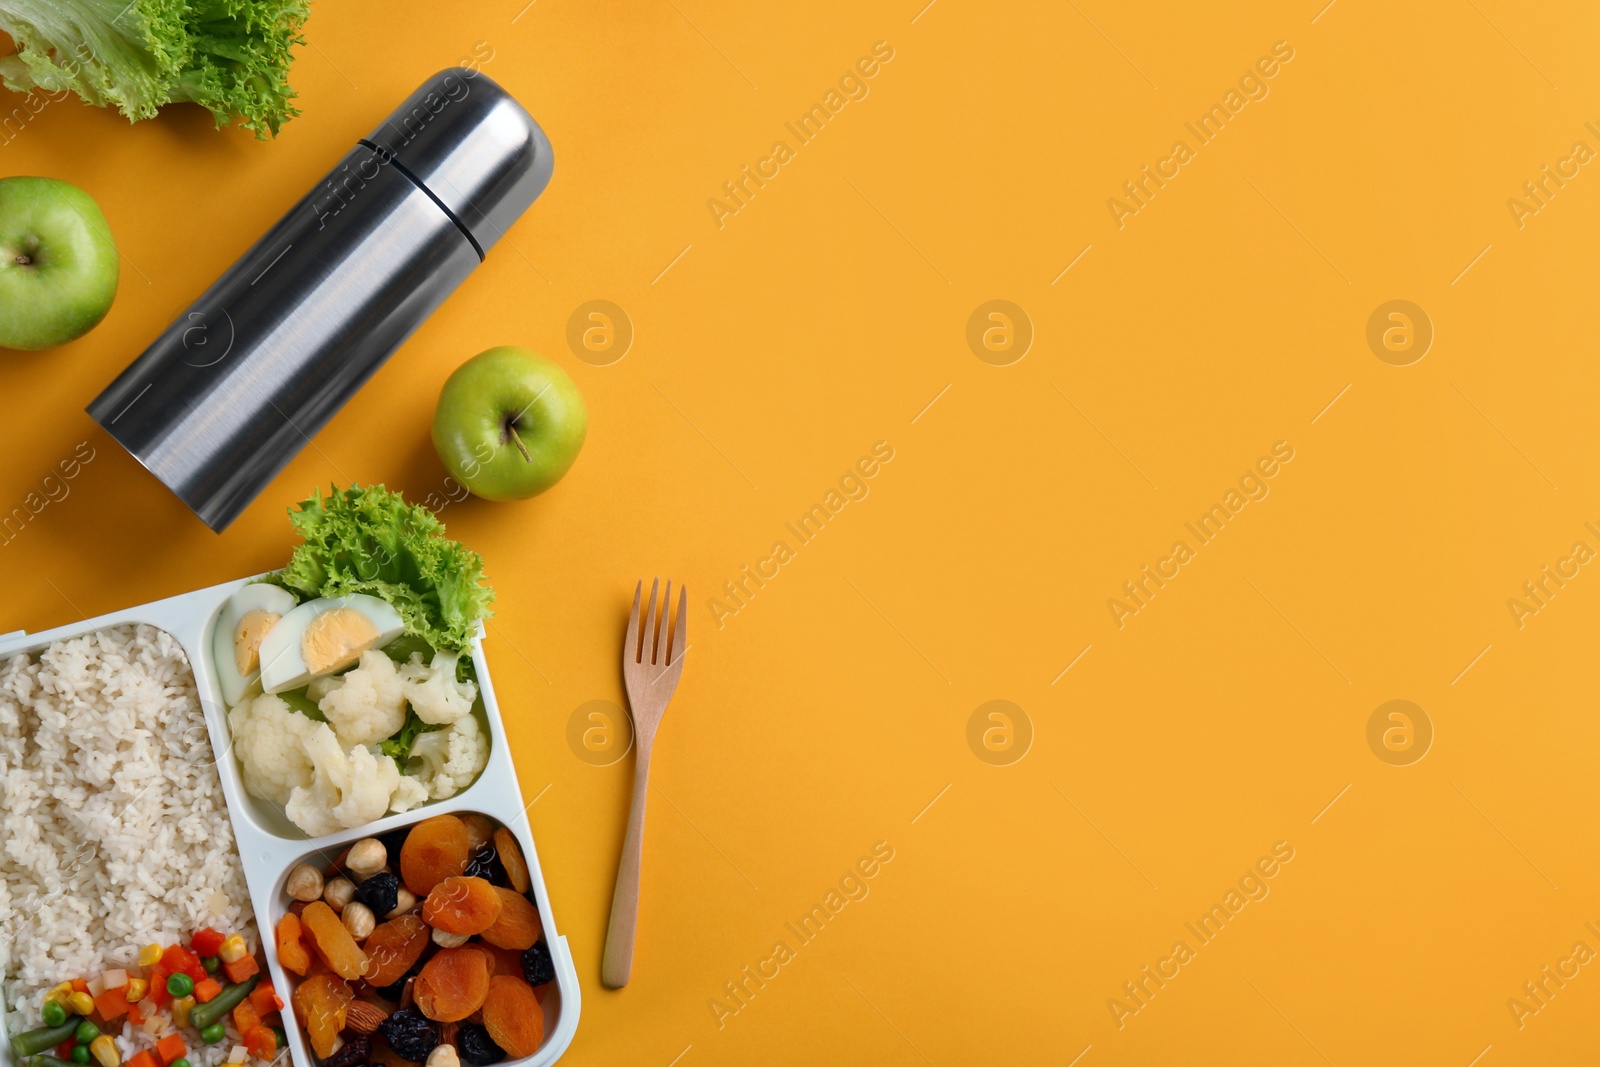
[364, 1017]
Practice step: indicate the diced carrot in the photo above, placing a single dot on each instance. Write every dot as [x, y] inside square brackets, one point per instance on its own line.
[171, 1048]
[241, 968]
[266, 1000]
[206, 942]
[80, 986]
[245, 1016]
[143, 1059]
[261, 1043]
[112, 1004]
[135, 1016]
[204, 991]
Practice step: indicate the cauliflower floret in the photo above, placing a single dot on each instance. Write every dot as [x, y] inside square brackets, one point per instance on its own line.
[269, 737]
[348, 789]
[408, 794]
[433, 691]
[320, 687]
[368, 705]
[450, 759]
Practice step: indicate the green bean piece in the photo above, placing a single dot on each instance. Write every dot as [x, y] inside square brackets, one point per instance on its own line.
[45, 1037]
[203, 1015]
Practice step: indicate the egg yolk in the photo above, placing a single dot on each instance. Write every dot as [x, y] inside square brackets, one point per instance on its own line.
[247, 639]
[335, 638]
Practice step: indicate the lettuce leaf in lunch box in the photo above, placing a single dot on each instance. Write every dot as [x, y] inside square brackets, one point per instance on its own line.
[367, 539]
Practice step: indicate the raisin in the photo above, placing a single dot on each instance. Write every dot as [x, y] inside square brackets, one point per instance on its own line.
[453, 984]
[513, 1016]
[462, 906]
[436, 849]
[410, 1033]
[393, 842]
[477, 1047]
[517, 926]
[537, 966]
[485, 863]
[357, 1048]
[505, 842]
[393, 949]
[381, 893]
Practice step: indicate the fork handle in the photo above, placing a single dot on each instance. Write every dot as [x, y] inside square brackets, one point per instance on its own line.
[617, 965]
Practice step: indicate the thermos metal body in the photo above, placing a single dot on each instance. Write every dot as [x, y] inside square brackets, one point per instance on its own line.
[237, 386]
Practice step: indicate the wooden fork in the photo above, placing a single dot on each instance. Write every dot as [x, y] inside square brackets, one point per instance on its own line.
[652, 660]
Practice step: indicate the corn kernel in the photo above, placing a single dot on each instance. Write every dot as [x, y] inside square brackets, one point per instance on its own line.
[181, 1007]
[232, 950]
[135, 990]
[60, 992]
[104, 1050]
[82, 1003]
[149, 955]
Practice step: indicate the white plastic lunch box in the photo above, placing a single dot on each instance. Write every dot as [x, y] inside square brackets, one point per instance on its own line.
[270, 845]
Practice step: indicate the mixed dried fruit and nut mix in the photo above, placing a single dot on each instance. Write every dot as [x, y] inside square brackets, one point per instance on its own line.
[419, 946]
[211, 991]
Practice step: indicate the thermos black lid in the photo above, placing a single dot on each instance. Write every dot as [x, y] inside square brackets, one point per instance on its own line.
[237, 386]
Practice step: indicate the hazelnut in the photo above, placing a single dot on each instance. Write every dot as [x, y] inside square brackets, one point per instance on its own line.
[404, 901]
[480, 828]
[446, 940]
[339, 893]
[443, 1056]
[305, 883]
[366, 857]
[358, 919]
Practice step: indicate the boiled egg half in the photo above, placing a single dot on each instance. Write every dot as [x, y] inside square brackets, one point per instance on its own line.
[242, 624]
[324, 635]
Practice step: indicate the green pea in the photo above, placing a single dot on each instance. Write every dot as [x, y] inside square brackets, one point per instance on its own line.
[179, 1062]
[213, 1033]
[211, 963]
[279, 1033]
[80, 1053]
[86, 1032]
[55, 1013]
[180, 985]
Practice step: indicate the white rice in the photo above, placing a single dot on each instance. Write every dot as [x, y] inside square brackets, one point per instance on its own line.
[113, 828]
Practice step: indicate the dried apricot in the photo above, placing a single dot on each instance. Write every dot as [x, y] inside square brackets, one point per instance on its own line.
[453, 984]
[506, 961]
[517, 926]
[333, 942]
[393, 948]
[480, 828]
[435, 849]
[462, 906]
[513, 1015]
[322, 1002]
[291, 949]
[505, 842]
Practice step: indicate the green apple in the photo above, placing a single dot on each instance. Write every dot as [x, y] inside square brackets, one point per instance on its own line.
[509, 424]
[58, 263]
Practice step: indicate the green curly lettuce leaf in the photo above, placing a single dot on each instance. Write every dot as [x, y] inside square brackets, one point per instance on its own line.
[399, 746]
[366, 539]
[231, 57]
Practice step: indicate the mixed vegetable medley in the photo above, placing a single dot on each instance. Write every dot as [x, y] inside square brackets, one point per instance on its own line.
[420, 946]
[212, 990]
[345, 672]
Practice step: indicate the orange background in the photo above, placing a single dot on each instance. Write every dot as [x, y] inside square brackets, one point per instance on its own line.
[832, 711]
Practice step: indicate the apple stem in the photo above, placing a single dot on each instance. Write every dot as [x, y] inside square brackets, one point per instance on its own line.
[24, 260]
[512, 428]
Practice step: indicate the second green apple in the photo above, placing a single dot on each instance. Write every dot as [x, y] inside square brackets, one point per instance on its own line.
[509, 424]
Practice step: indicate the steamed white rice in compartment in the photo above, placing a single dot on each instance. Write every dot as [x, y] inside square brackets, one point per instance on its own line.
[113, 828]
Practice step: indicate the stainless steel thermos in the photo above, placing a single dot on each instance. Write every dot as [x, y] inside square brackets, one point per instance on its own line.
[233, 389]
